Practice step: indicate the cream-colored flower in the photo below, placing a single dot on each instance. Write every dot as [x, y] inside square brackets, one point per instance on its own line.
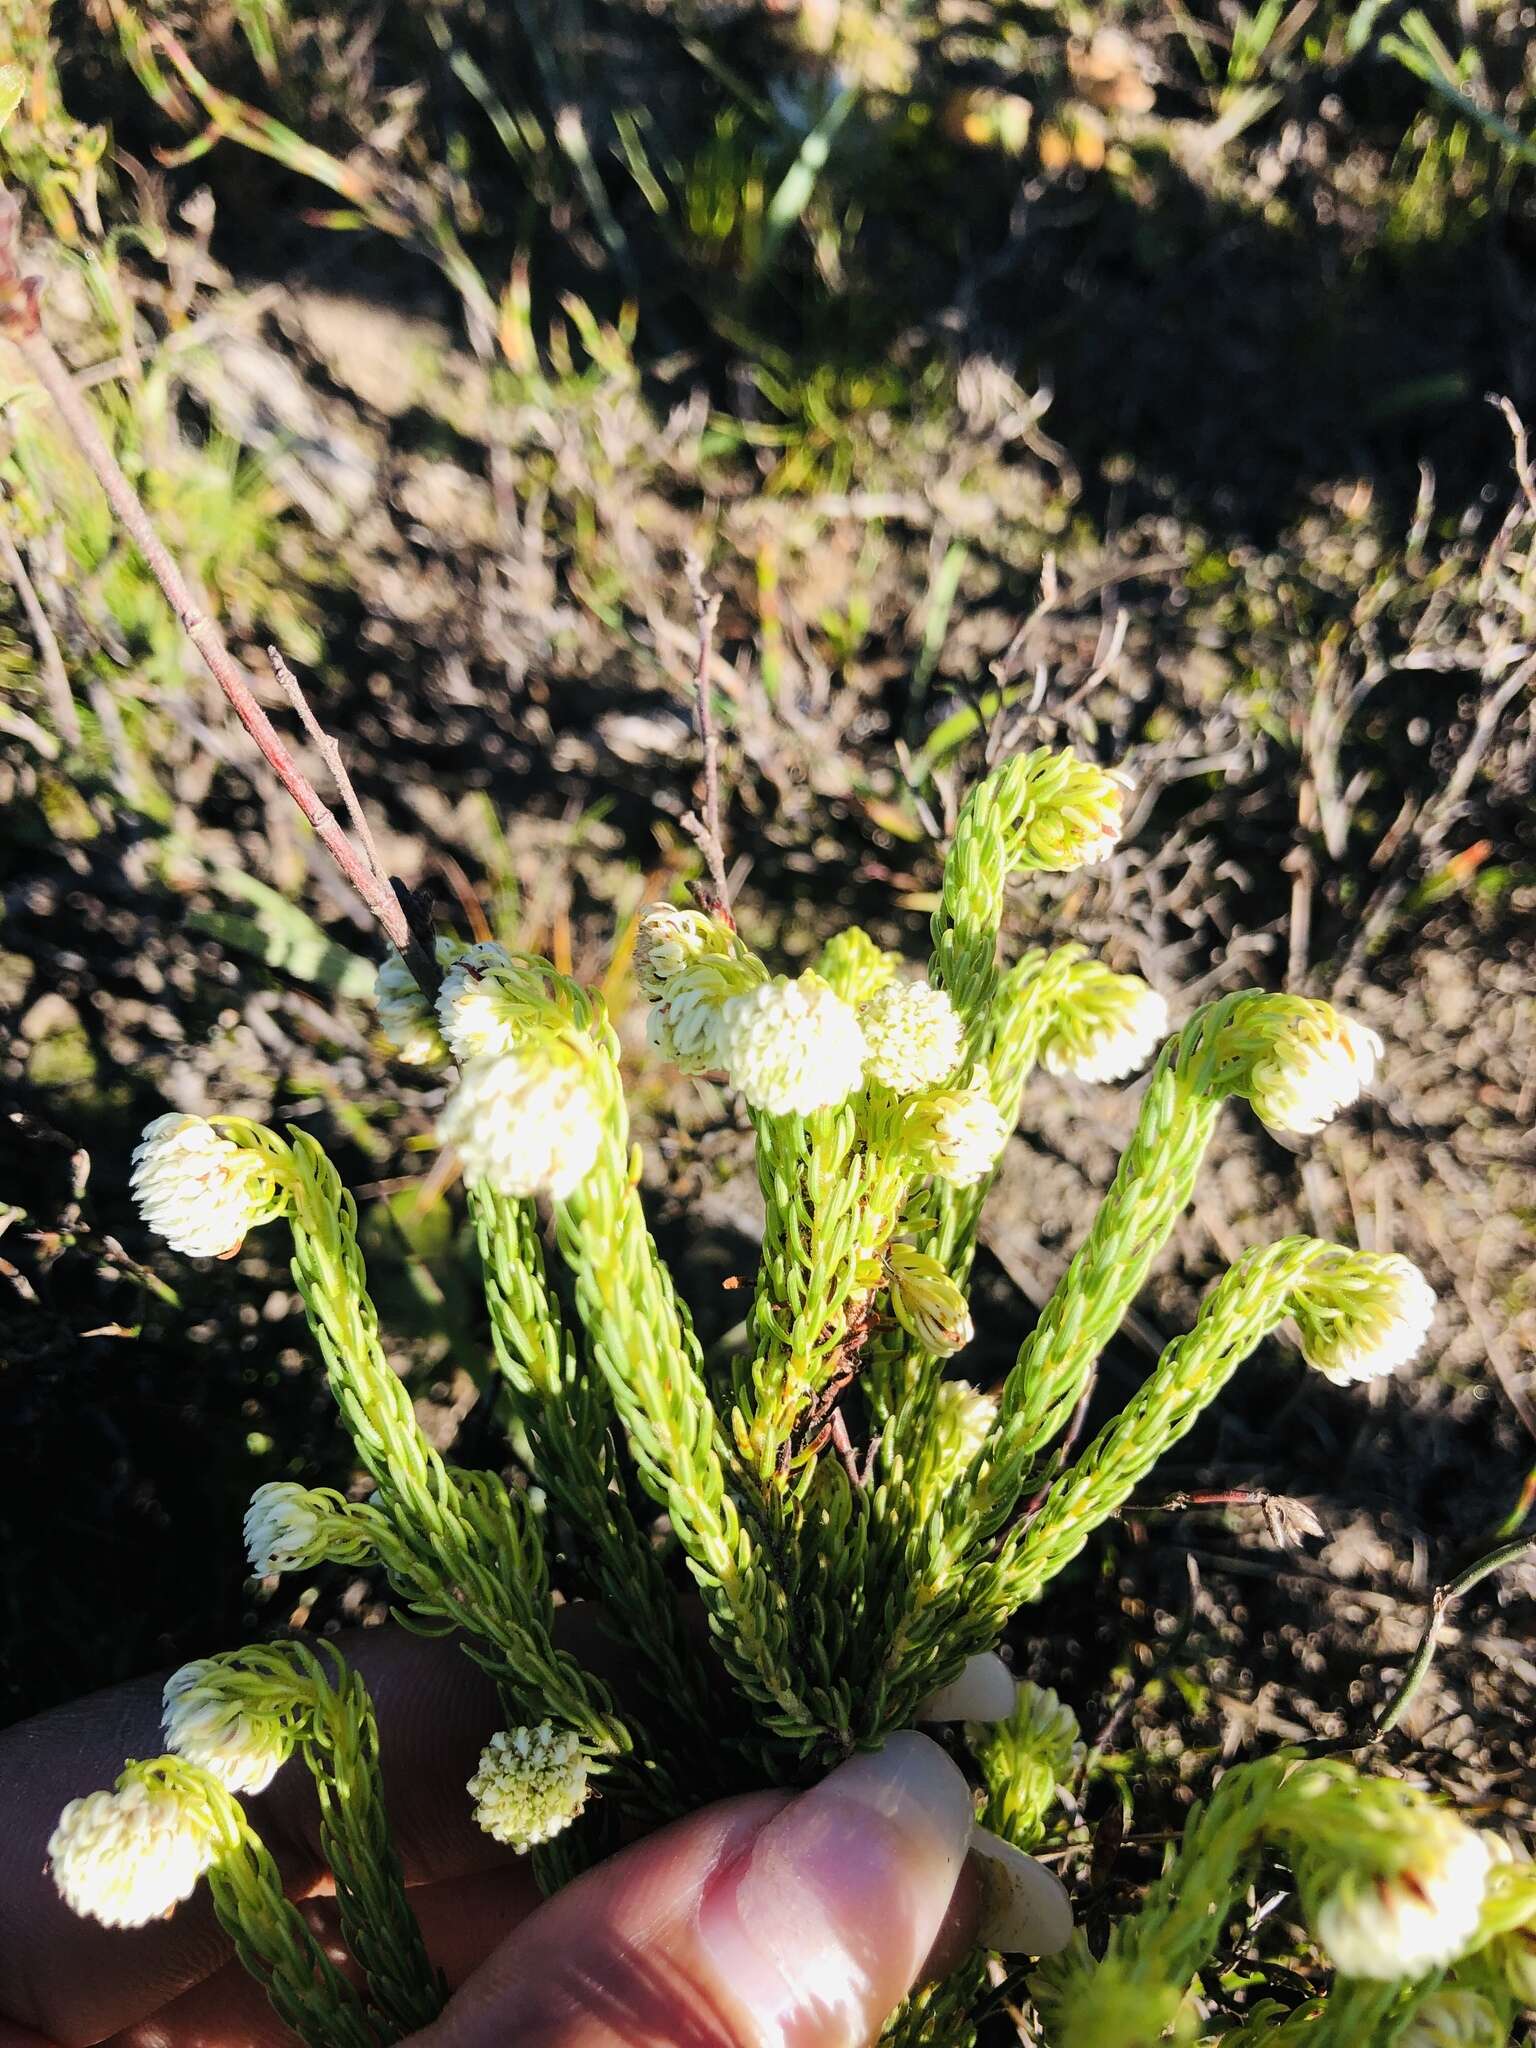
[129, 1856]
[792, 1047]
[1105, 1026]
[959, 1133]
[914, 1035]
[488, 1001]
[530, 1784]
[209, 1719]
[1364, 1315]
[292, 1528]
[1453, 2019]
[689, 1027]
[926, 1302]
[197, 1189]
[1417, 1919]
[406, 1017]
[669, 940]
[524, 1122]
[1315, 1064]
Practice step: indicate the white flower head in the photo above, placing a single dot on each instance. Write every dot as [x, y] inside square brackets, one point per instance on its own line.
[1363, 1315]
[525, 1122]
[1315, 1064]
[292, 1528]
[210, 1718]
[406, 1017]
[793, 1047]
[529, 1785]
[926, 1301]
[668, 940]
[1453, 2019]
[129, 1856]
[1408, 1921]
[914, 1035]
[959, 1133]
[489, 1000]
[1105, 1026]
[689, 1027]
[198, 1189]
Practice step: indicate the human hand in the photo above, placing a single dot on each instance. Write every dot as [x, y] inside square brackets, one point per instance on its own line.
[767, 1921]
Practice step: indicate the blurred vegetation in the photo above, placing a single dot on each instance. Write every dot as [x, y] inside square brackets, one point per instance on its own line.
[1116, 374]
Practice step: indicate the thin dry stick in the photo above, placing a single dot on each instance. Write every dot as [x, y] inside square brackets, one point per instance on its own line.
[330, 753]
[706, 609]
[51, 671]
[20, 323]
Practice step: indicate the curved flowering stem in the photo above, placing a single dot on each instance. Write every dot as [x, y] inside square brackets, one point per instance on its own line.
[567, 1425]
[1129, 1999]
[1247, 1306]
[1442, 1600]
[237, 1716]
[459, 1548]
[1042, 812]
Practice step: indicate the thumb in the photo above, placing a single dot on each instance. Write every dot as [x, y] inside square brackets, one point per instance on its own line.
[762, 1922]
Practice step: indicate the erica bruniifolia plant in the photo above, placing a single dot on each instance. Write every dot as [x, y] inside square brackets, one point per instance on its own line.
[858, 1522]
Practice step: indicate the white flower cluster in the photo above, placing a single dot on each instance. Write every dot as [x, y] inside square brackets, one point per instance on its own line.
[197, 1189]
[959, 1134]
[1316, 1065]
[1453, 2019]
[129, 1856]
[406, 1017]
[530, 1784]
[208, 1718]
[689, 1025]
[792, 1047]
[1106, 1026]
[926, 1301]
[914, 1035]
[487, 1001]
[292, 1528]
[1364, 1315]
[525, 1122]
[1415, 1920]
[668, 941]
[962, 1421]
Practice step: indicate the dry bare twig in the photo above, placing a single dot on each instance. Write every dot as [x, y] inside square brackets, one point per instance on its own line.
[51, 671]
[706, 831]
[21, 324]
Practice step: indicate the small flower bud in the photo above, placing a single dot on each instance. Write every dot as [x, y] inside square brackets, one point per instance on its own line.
[1363, 1314]
[130, 1856]
[524, 1122]
[669, 940]
[199, 1190]
[1071, 816]
[1105, 1026]
[530, 1784]
[854, 967]
[212, 1717]
[914, 1035]
[292, 1528]
[959, 1133]
[926, 1302]
[793, 1047]
[962, 1421]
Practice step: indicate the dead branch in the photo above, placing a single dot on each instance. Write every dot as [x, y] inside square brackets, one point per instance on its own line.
[51, 671]
[706, 831]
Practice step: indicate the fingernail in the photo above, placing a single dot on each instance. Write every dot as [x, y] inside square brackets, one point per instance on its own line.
[1025, 1910]
[984, 1691]
[833, 1909]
